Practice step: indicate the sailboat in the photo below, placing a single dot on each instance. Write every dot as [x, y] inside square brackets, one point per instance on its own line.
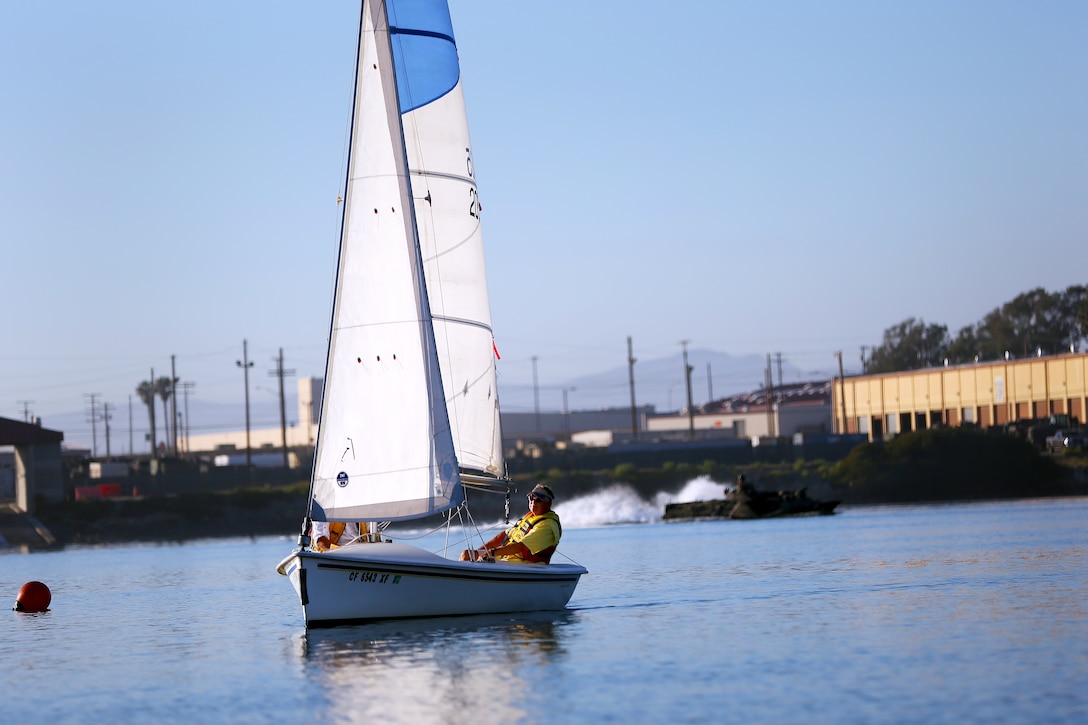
[410, 412]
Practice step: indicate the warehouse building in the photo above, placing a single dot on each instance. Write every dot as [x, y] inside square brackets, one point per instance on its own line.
[984, 394]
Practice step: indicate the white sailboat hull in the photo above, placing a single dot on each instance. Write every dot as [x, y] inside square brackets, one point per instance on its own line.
[367, 581]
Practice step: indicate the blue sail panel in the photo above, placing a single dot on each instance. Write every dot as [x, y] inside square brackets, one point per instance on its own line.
[424, 51]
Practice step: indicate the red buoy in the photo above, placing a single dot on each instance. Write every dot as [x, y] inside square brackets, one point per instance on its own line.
[33, 597]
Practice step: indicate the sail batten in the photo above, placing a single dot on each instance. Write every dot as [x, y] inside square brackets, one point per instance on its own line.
[410, 381]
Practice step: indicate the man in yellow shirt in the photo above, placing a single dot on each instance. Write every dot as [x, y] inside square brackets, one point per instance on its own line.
[531, 540]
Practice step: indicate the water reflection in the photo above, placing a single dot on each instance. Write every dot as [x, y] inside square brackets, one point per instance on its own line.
[435, 669]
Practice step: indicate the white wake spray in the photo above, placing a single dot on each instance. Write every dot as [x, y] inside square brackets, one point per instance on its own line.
[620, 504]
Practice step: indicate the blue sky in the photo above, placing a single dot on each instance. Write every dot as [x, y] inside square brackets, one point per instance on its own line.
[779, 177]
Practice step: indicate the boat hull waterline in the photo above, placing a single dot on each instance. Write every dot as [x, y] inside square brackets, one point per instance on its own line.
[369, 581]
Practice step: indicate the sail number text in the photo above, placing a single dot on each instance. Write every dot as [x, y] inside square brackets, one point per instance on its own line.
[372, 577]
[474, 207]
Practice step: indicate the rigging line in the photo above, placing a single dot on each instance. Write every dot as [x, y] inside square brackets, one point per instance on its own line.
[572, 561]
[463, 511]
[424, 534]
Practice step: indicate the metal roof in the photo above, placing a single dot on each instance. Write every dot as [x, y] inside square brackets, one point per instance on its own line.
[18, 433]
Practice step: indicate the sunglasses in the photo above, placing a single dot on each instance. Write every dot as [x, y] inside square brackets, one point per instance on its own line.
[535, 497]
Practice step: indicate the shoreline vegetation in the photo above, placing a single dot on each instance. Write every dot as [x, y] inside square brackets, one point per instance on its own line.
[939, 465]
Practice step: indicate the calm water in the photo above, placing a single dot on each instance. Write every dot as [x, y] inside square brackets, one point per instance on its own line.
[957, 613]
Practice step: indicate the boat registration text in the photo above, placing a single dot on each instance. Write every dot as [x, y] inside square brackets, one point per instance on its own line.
[373, 577]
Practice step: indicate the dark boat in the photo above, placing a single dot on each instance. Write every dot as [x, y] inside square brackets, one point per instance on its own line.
[745, 502]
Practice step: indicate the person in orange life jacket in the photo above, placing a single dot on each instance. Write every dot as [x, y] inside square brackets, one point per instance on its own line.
[531, 540]
[328, 535]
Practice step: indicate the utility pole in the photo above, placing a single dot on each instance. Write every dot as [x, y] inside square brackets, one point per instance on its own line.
[778, 356]
[842, 392]
[631, 382]
[174, 405]
[106, 419]
[245, 363]
[687, 378]
[94, 424]
[770, 398]
[131, 450]
[26, 409]
[536, 397]
[279, 372]
[151, 415]
[185, 388]
[709, 385]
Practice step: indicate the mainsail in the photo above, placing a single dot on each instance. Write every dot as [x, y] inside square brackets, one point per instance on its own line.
[410, 394]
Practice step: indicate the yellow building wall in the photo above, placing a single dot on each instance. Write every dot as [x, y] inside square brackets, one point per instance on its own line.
[891, 400]
[983, 393]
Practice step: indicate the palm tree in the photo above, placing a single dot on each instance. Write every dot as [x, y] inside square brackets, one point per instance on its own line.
[164, 387]
[146, 391]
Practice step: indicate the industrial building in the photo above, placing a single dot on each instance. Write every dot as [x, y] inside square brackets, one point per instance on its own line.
[779, 412]
[984, 394]
[35, 468]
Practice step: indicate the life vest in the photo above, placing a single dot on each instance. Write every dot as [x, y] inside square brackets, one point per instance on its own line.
[525, 525]
[337, 528]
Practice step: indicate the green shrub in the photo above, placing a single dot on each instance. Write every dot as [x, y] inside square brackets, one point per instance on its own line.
[946, 464]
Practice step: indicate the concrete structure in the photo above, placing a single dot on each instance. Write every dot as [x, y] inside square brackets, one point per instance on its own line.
[984, 394]
[38, 470]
